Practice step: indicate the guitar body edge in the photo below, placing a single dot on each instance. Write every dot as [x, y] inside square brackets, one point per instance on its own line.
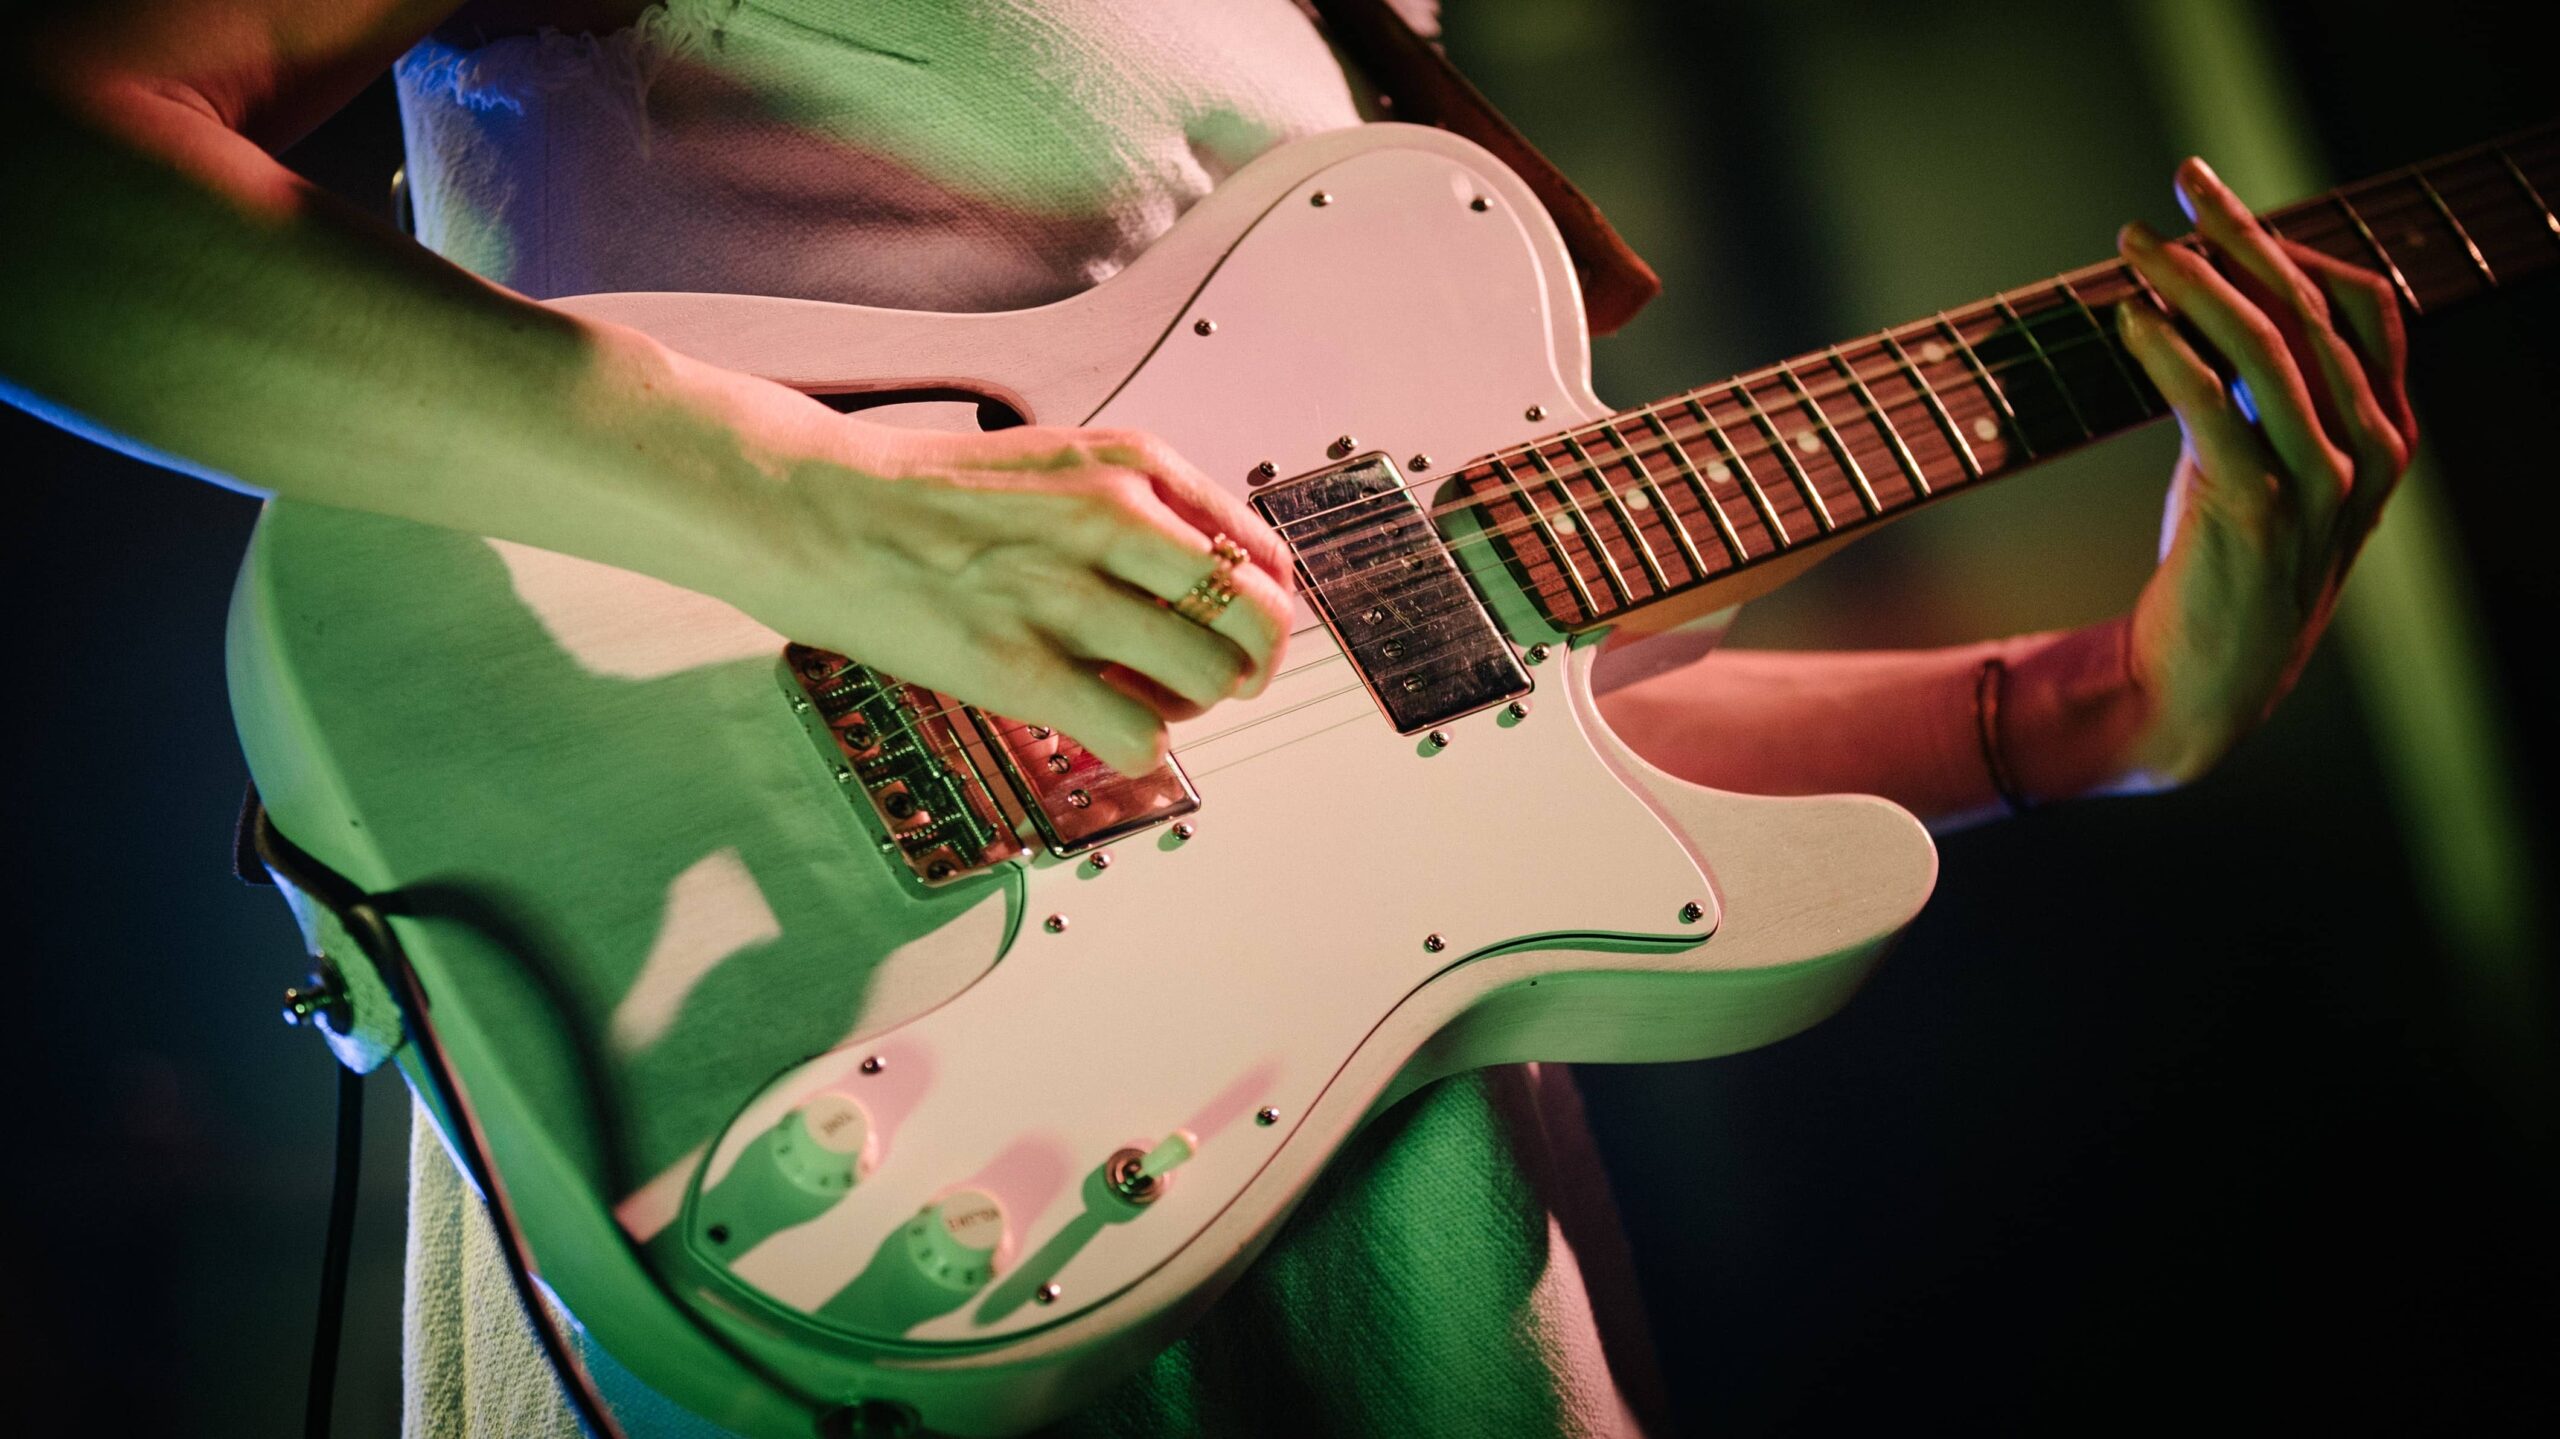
[1801, 895]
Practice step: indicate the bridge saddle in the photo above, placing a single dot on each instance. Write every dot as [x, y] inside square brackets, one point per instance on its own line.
[957, 791]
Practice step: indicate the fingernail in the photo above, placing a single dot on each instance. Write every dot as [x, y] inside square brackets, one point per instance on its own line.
[2137, 238]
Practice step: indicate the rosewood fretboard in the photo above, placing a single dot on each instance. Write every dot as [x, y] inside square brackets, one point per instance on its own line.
[1674, 496]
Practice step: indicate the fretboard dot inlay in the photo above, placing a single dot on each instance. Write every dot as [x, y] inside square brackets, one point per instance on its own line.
[1691, 490]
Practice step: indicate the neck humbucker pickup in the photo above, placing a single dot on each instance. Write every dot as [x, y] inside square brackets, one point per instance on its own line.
[1395, 600]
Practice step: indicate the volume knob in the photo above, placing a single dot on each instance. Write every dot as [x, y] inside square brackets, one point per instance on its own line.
[824, 1146]
[954, 1241]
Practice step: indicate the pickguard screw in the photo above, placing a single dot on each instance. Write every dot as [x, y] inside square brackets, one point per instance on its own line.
[1345, 445]
[1055, 924]
[799, 705]
[1102, 860]
[1692, 912]
[1519, 709]
[1184, 830]
[874, 1065]
[1204, 327]
[1266, 1116]
[1320, 199]
[1538, 654]
[1040, 731]
[1047, 1293]
[1479, 204]
[1078, 799]
[843, 775]
[1434, 943]
[1439, 739]
[1060, 764]
[1536, 412]
[1418, 463]
[1266, 470]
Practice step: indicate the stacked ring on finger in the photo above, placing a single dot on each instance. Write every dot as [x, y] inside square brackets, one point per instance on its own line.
[1209, 597]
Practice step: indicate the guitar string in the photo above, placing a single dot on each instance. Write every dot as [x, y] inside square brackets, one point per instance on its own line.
[2329, 229]
[1972, 394]
[2320, 224]
[2321, 227]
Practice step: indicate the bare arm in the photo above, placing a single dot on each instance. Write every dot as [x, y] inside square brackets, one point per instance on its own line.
[169, 284]
[2270, 502]
[1904, 724]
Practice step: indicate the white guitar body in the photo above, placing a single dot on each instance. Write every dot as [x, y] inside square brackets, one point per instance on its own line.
[591, 768]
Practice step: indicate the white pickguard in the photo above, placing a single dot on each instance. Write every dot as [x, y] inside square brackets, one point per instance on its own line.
[1195, 983]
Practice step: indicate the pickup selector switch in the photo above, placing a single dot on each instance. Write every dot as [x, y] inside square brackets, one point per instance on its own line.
[954, 1241]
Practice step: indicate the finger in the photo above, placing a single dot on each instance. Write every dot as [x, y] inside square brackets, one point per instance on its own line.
[1171, 555]
[1100, 619]
[2244, 334]
[2351, 411]
[1066, 695]
[2231, 452]
[2376, 326]
[1200, 501]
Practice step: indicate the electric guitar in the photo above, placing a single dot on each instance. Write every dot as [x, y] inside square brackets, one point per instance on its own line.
[842, 1055]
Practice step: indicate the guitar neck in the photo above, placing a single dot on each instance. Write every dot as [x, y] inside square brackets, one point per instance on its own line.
[1703, 495]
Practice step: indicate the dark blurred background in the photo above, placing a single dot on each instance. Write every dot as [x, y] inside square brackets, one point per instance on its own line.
[2229, 1105]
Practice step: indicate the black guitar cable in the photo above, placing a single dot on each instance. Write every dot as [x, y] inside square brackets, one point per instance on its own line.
[346, 1171]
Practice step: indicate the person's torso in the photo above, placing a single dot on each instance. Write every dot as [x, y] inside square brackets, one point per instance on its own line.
[935, 154]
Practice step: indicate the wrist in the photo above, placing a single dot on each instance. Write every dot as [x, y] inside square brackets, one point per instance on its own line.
[2070, 717]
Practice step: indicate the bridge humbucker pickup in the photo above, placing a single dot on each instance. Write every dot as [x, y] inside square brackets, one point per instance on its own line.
[1386, 585]
[1076, 800]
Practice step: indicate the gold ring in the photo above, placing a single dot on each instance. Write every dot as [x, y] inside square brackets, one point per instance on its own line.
[1205, 601]
[1209, 598]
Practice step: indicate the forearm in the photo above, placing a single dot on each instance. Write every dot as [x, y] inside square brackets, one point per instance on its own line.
[1908, 725]
[169, 283]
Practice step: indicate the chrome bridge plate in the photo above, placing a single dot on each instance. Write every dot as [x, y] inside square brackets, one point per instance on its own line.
[1386, 585]
[909, 750]
[957, 791]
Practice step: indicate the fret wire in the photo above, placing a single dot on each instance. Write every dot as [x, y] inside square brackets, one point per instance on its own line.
[1662, 505]
[1546, 532]
[1592, 540]
[1626, 520]
[1715, 509]
[1956, 439]
[1769, 520]
[1786, 459]
[2107, 342]
[2061, 386]
[1893, 434]
[2303, 220]
[2550, 221]
[1839, 446]
[1983, 377]
[2469, 246]
[2373, 242]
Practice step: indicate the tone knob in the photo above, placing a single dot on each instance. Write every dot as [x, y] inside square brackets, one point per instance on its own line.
[953, 1242]
[824, 1146]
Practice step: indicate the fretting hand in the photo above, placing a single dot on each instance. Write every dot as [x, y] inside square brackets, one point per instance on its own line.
[2266, 509]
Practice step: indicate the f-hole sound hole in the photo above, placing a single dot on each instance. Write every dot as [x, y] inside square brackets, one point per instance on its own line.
[931, 407]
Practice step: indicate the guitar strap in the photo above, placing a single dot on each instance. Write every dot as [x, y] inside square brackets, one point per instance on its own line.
[1417, 78]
